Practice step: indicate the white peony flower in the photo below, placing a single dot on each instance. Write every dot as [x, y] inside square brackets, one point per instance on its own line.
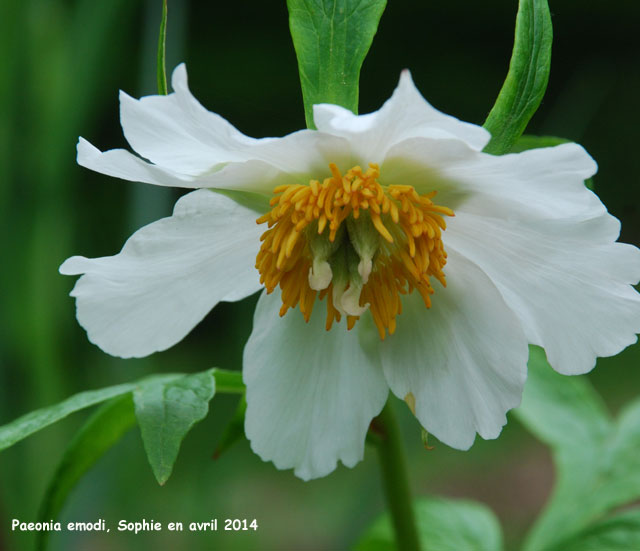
[355, 229]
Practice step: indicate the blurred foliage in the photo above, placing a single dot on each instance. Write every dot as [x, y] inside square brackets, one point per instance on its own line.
[445, 525]
[62, 64]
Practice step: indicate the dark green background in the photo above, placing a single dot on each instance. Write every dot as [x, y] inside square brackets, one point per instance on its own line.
[61, 65]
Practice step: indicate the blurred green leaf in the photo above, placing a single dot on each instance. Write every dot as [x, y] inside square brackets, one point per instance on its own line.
[162, 48]
[166, 411]
[527, 78]
[331, 39]
[102, 430]
[227, 381]
[562, 411]
[620, 532]
[234, 430]
[597, 461]
[32, 422]
[443, 525]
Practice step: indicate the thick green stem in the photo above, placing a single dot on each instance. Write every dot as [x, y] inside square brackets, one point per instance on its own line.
[396, 481]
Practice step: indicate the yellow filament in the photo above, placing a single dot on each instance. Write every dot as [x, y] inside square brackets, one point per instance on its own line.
[410, 252]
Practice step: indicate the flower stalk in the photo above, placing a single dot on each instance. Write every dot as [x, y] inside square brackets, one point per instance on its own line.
[395, 478]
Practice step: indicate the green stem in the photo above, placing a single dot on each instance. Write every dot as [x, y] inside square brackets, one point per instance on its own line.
[396, 481]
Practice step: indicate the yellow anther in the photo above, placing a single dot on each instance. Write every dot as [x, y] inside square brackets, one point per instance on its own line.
[408, 227]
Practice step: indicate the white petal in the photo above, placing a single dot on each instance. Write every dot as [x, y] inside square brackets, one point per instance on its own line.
[177, 133]
[539, 183]
[303, 152]
[189, 141]
[120, 163]
[464, 359]
[549, 181]
[252, 176]
[311, 393]
[567, 281]
[405, 115]
[168, 275]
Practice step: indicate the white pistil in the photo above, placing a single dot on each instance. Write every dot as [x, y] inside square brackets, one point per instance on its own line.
[320, 275]
[350, 301]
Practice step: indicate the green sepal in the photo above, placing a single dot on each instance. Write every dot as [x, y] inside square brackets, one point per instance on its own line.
[250, 199]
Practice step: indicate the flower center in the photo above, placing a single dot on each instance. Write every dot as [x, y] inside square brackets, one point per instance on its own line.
[353, 241]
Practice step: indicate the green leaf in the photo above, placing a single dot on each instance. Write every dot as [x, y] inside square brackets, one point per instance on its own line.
[234, 430]
[527, 78]
[13, 432]
[331, 39]
[597, 461]
[562, 411]
[166, 411]
[162, 48]
[443, 525]
[619, 532]
[32, 422]
[101, 431]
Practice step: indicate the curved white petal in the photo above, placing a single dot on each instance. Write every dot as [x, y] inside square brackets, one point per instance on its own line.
[464, 359]
[549, 181]
[120, 163]
[528, 221]
[567, 281]
[177, 133]
[405, 115]
[539, 183]
[252, 176]
[168, 275]
[311, 393]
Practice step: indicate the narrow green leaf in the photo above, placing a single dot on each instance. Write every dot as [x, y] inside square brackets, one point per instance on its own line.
[331, 39]
[597, 461]
[32, 422]
[18, 429]
[166, 411]
[527, 78]
[620, 532]
[234, 430]
[162, 61]
[444, 525]
[101, 431]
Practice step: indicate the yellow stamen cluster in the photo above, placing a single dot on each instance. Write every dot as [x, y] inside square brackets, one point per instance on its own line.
[409, 251]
